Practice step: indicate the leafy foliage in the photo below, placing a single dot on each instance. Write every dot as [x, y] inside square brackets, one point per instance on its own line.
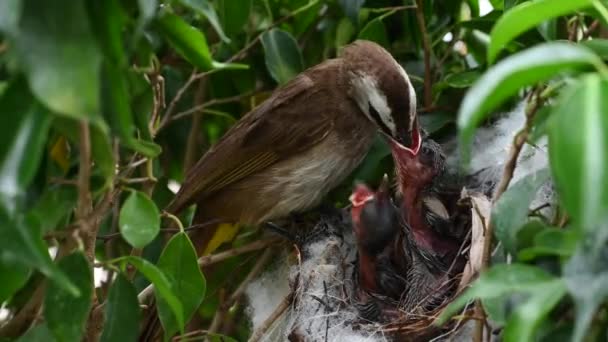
[106, 103]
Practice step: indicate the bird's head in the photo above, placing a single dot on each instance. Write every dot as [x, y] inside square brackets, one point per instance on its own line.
[375, 218]
[383, 91]
[419, 170]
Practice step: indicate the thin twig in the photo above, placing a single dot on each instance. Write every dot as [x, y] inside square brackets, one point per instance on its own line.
[594, 25]
[215, 258]
[210, 103]
[428, 94]
[194, 136]
[240, 290]
[237, 56]
[261, 330]
[507, 175]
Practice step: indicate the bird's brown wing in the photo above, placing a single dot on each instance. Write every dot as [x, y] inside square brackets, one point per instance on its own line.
[293, 119]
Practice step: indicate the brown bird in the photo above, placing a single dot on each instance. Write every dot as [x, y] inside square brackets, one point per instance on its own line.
[286, 154]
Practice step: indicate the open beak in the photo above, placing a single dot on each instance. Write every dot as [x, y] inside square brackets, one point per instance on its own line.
[400, 147]
[361, 195]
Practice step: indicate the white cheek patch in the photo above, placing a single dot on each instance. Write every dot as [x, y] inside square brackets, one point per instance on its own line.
[412, 94]
[366, 93]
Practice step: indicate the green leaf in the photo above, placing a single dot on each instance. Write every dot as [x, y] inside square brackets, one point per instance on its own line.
[507, 77]
[511, 210]
[14, 277]
[497, 4]
[178, 262]
[139, 220]
[351, 8]
[117, 109]
[375, 31]
[22, 137]
[282, 55]
[122, 312]
[10, 12]
[463, 79]
[526, 16]
[54, 205]
[21, 242]
[578, 151]
[188, 42]
[233, 15]
[107, 19]
[599, 46]
[500, 280]
[551, 241]
[101, 149]
[432, 122]
[586, 275]
[203, 7]
[162, 286]
[38, 333]
[60, 57]
[527, 316]
[344, 32]
[66, 314]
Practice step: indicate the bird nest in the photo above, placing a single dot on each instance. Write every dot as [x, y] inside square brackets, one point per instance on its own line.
[323, 303]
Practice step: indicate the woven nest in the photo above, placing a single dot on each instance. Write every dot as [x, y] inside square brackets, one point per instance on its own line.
[325, 302]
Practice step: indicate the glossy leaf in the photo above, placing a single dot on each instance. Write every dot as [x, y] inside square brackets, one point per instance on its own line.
[187, 41]
[599, 46]
[578, 151]
[139, 220]
[233, 15]
[23, 135]
[38, 333]
[499, 280]
[526, 318]
[10, 12]
[178, 262]
[205, 8]
[344, 32]
[122, 313]
[375, 31]
[21, 242]
[511, 210]
[14, 277]
[54, 205]
[118, 111]
[65, 313]
[351, 8]
[162, 285]
[507, 77]
[101, 149]
[526, 16]
[282, 55]
[432, 122]
[551, 241]
[463, 79]
[60, 57]
[586, 275]
[107, 20]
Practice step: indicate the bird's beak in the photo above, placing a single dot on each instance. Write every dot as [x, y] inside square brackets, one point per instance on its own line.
[361, 195]
[406, 144]
[383, 192]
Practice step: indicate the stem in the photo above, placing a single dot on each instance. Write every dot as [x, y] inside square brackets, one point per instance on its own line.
[261, 330]
[426, 43]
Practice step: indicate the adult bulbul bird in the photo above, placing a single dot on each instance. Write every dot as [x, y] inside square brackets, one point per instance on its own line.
[286, 154]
